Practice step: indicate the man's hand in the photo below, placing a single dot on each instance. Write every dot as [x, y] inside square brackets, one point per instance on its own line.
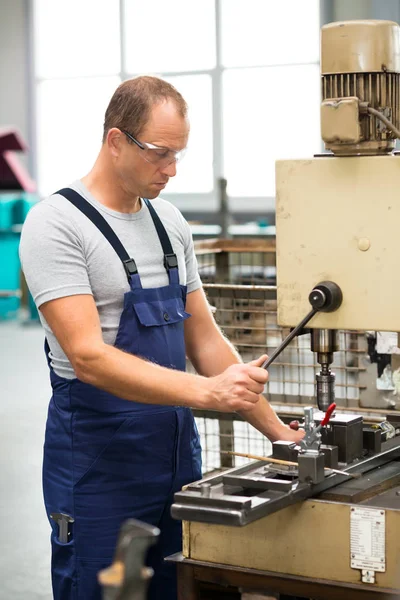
[238, 388]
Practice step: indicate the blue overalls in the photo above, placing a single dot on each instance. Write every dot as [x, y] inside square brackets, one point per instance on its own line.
[107, 459]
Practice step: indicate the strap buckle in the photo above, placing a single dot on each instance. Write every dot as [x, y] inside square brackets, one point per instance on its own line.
[130, 266]
[170, 261]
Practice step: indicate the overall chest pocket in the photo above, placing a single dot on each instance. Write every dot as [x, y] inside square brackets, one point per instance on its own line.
[158, 313]
[152, 327]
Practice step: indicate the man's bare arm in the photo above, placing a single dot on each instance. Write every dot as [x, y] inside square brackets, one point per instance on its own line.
[211, 353]
[75, 322]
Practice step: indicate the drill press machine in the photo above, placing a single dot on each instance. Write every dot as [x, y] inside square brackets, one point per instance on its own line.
[337, 219]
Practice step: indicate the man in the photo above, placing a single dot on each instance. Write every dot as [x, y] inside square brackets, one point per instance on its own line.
[114, 277]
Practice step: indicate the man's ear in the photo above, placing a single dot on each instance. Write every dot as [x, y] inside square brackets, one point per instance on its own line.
[114, 141]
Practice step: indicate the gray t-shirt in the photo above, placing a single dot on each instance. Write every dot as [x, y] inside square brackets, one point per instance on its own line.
[64, 254]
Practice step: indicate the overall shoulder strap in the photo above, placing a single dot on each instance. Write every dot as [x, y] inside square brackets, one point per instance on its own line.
[99, 221]
[170, 259]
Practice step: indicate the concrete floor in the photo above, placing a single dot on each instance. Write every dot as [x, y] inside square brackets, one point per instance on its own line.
[24, 529]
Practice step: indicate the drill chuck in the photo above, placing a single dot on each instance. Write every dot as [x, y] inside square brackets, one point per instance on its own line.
[325, 390]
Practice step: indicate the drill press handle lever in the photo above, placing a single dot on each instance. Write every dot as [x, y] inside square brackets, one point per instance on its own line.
[325, 297]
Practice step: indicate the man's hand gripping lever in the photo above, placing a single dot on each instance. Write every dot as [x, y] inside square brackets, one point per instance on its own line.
[238, 388]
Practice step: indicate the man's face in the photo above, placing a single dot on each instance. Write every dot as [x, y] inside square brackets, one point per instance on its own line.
[165, 129]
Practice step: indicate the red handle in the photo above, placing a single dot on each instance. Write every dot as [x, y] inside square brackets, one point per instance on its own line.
[294, 425]
[328, 414]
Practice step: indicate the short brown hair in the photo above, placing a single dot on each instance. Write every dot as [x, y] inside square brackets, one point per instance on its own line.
[130, 105]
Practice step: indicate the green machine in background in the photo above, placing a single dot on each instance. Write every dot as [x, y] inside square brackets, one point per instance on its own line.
[17, 196]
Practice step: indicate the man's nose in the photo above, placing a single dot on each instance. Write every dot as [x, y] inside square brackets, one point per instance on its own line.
[170, 169]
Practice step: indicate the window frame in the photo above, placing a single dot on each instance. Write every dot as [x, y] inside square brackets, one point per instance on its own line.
[194, 203]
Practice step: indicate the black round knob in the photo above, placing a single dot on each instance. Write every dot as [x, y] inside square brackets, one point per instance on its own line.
[317, 299]
[326, 296]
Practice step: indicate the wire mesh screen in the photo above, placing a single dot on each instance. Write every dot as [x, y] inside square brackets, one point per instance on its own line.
[239, 281]
[248, 316]
[229, 261]
[221, 434]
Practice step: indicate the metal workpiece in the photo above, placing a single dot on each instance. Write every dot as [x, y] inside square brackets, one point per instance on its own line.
[247, 493]
[311, 467]
[284, 450]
